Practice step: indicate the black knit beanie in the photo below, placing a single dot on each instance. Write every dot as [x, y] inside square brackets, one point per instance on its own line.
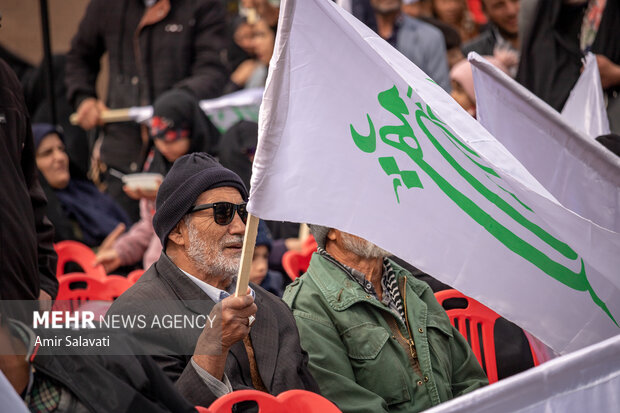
[189, 177]
[320, 234]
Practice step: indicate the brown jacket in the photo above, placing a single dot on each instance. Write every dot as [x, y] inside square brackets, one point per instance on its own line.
[282, 363]
[173, 44]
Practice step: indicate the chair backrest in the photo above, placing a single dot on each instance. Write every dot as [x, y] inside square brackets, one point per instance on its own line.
[295, 263]
[309, 243]
[73, 251]
[298, 401]
[471, 321]
[75, 289]
[266, 402]
[78, 288]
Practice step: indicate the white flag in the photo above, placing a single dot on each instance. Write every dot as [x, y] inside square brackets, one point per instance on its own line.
[578, 171]
[9, 399]
[584, 381]
[354, 136]
[585, 108]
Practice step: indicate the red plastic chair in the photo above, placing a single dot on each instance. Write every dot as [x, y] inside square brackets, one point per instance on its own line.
[73, 251]
[135, 275]
[309, 244]
[295, 263]
[79, 288]
[75, 289]
[303, 401]
[480, 318]
[298, 401]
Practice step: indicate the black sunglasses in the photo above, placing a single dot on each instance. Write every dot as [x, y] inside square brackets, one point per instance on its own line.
[224, 212]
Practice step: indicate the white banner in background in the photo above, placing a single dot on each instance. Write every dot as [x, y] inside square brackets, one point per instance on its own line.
[224, 111]
[356, 137]
[585, 108]
[578, 171]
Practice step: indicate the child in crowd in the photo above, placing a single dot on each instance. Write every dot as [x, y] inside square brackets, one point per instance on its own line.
[260, 274]
[462, 80]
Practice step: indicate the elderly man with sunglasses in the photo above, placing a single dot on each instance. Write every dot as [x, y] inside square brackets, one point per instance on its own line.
[246, 342]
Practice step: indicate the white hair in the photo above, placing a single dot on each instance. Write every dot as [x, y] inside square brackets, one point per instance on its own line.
[362, 247]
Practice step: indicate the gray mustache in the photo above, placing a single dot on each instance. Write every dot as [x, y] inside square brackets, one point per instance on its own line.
[232, 241]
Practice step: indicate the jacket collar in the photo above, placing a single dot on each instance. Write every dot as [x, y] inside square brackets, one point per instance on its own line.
[154, 14]
[341, 292]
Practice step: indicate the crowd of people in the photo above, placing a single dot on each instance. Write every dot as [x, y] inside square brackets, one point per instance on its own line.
[361, 327]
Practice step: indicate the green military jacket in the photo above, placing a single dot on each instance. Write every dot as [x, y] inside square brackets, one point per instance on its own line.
[364, 358]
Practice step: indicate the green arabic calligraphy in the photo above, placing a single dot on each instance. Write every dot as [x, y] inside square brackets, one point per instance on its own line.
[405, 141]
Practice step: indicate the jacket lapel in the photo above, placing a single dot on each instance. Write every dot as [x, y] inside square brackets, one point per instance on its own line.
[192, 297]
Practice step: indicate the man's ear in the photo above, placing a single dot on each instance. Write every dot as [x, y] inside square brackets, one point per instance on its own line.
[331, 235]
[177, 233]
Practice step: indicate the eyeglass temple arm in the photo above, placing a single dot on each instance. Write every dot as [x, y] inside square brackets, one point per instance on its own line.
[198, 208]
[201, 207]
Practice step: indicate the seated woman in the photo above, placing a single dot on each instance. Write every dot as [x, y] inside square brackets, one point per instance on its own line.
[78, 210]
[178, 127]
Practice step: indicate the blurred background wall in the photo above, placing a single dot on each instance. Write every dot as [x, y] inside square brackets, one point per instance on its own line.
[21, 26]
[21, 29]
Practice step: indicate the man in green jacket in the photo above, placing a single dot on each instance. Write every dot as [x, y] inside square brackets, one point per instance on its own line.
[377, 338]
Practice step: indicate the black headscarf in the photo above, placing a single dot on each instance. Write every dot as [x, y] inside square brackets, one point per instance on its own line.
[178, 109]
[237, 148]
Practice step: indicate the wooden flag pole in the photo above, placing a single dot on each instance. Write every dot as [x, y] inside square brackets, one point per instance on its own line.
[247, 253]
[108, 116]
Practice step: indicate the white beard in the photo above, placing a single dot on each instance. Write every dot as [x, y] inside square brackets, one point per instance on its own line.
[208, 258]
[361, 247]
